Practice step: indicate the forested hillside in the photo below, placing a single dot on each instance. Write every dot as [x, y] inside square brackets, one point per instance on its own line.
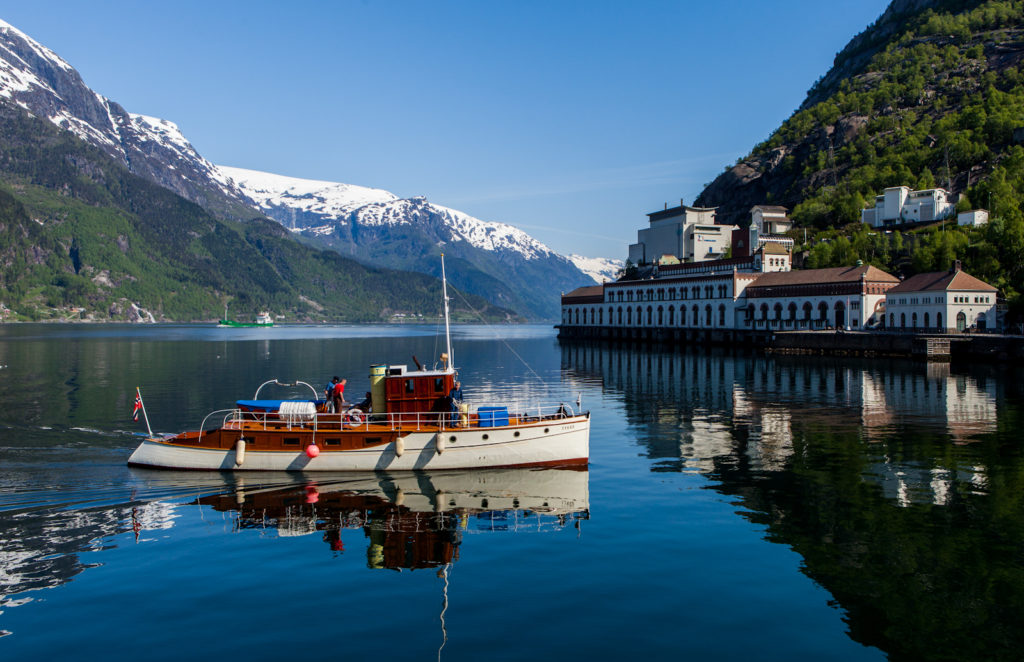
[84, 238]
[929, 95]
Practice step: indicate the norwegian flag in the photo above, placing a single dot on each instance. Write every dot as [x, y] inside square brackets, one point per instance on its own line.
[138, 405]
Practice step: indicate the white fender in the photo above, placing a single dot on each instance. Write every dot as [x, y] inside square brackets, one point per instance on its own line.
[239, 452]
[399, 447]
[399, 497]
[439, 442]
[439, 504]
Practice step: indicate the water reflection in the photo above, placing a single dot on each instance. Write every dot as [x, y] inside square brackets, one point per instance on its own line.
[900, 484]
[413, 520]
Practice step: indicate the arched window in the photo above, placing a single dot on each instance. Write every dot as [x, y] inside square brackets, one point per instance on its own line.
[927, 321]
[903, 320]
[913, 320]
[600, 316]
[764, 311]
[591, 315]
[661, 316]
[808, 310]
[629, 315]
[778, 311]
[961, 321]
[682, 315]
[721, 315]
[823, 311]
[938, 321]
[672, 314]
[792, 311]
[648, 315]
[707, 315]
[577, 316]
[695, 315]
[892, 320]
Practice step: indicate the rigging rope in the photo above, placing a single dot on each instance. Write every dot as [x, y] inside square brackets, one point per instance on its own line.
[498, 337]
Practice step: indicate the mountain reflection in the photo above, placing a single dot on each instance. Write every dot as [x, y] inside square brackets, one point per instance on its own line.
[900, 484]
[413, 520]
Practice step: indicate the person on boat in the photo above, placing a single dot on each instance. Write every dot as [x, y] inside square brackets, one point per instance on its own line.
[365, 405]
[455, 402]
[338, 395]
[329, 392]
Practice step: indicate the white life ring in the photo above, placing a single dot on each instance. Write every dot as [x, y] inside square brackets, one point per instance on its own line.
[354, 416]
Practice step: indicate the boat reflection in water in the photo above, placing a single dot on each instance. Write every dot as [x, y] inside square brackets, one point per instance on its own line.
[414, 520]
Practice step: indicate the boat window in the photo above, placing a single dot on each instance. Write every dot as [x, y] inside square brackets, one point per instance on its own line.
[369, 441]
[291, 441]
[410, 386]
[332, 442]
[439, 384]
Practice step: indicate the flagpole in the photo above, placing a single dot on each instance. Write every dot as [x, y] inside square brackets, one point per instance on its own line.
[144, 414]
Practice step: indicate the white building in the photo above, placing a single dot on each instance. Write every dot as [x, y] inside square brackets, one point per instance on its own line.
[690, 234]
[898, 205]
[942, 301]
[973, 218]
[756, 292]
[769, 224]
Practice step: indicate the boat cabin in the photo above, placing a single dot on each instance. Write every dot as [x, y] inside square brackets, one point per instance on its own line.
[420, 391]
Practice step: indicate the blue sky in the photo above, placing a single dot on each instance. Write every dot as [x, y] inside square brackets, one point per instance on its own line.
[570, 120]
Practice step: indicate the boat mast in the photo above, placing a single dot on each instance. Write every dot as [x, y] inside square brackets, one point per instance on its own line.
[447, 330]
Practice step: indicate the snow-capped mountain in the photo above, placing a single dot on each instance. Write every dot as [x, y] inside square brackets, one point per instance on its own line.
[303, 202]
[598, 268]
[319, 206]
[496, 260]
[37, 79]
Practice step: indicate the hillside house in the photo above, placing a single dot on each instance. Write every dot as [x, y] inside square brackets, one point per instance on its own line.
[898, 205]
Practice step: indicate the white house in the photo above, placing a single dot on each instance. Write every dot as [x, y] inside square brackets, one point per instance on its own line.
[899, 205]
[690, 234]
[943, 301]
[768, 224]
[973, 218]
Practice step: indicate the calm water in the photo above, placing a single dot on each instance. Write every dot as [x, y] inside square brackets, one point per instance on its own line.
[735, 508]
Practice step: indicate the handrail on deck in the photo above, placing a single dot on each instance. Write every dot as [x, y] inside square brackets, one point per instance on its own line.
[393, 420]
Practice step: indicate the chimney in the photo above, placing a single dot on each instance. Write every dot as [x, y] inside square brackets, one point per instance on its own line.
[956, 267]
[666, 205]
[681, 203]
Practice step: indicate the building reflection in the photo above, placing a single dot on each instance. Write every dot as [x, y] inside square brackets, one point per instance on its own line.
[693, 410]
[900, 484]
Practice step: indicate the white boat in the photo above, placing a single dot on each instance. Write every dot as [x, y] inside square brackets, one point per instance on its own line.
[410, 426]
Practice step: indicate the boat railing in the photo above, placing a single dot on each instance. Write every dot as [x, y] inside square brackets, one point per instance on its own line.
[354, 419]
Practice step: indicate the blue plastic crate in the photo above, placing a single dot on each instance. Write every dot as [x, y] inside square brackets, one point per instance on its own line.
[492, 417]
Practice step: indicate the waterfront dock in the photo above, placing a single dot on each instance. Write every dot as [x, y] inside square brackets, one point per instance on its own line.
[931, 347]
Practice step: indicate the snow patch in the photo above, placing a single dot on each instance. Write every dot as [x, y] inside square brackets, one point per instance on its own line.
[598, 268]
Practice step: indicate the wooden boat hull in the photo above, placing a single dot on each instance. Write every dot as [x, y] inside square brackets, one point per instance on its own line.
[557, 443]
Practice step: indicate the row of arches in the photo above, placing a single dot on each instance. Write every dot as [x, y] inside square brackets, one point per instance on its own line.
[925, 320]
[808, 315]
[670, 293]
[686, 316]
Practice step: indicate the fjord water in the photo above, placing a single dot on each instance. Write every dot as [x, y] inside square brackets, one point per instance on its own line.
[736, 507]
